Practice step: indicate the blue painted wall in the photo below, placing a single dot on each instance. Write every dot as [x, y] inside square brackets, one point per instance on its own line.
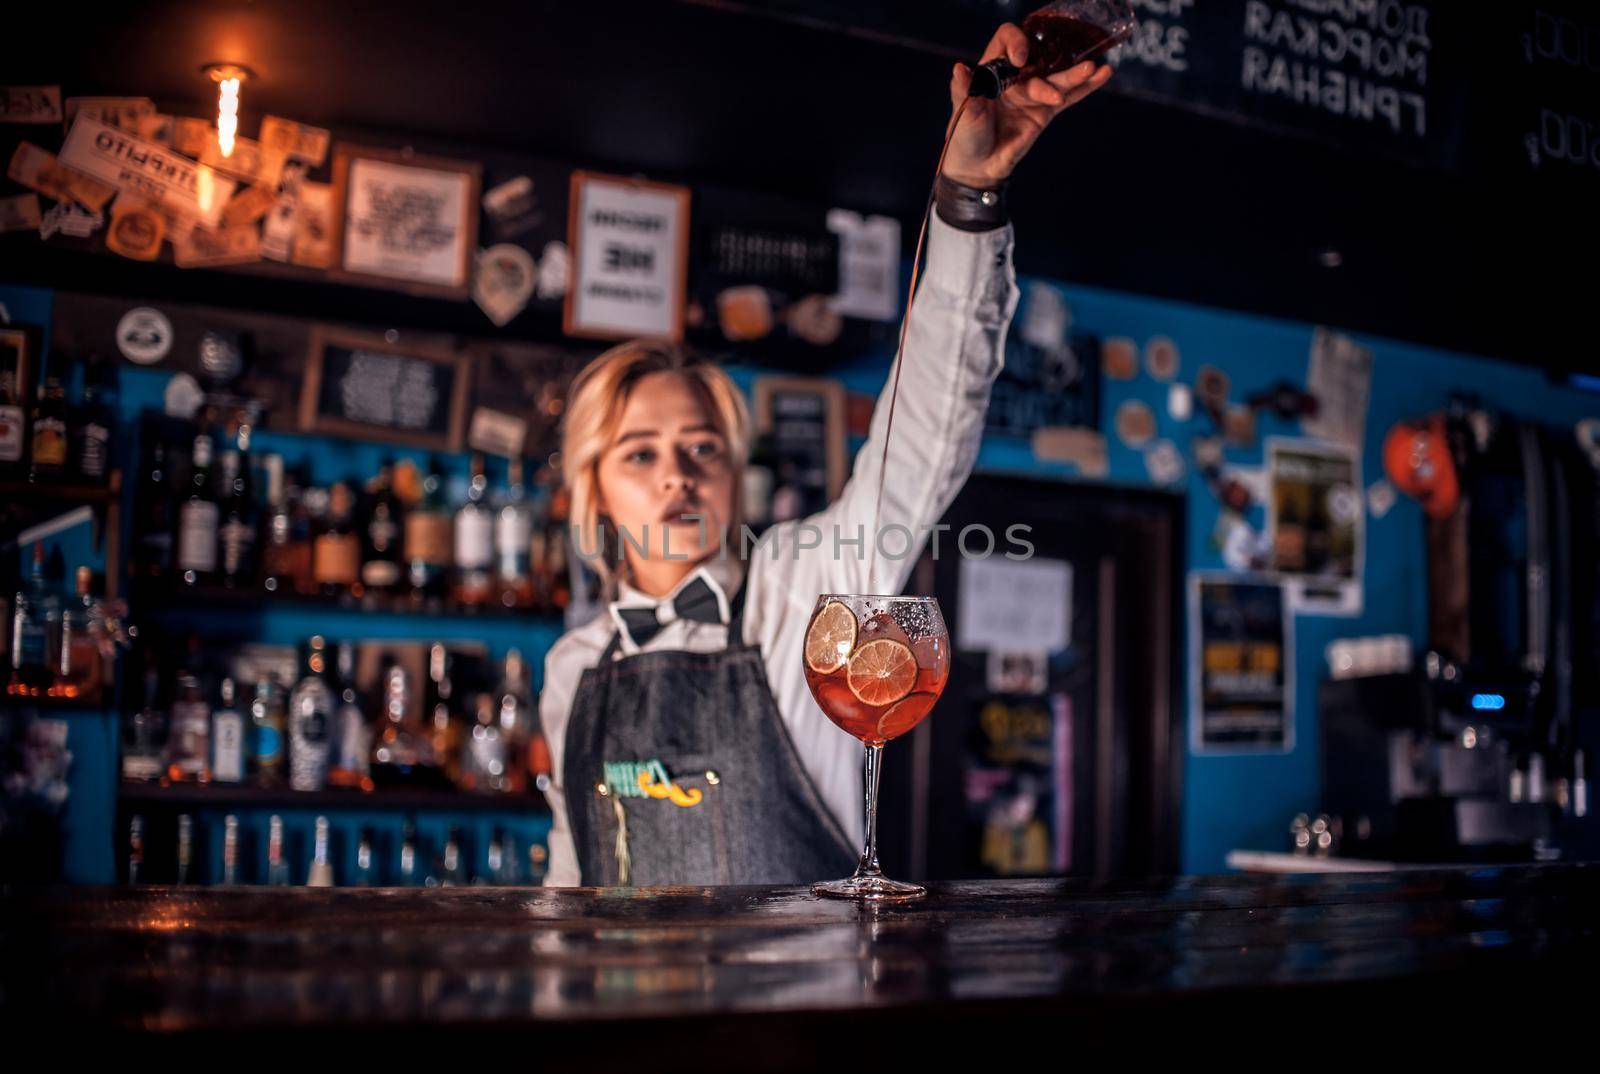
[1229, 801]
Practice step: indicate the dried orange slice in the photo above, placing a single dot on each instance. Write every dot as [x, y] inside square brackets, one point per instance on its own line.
[905, 715]
[830, 638]
[882, 672]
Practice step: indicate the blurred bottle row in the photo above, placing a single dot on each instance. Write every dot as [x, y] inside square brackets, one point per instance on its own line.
[207, 518]
[183, 855]
[47, 439]
[348, 716]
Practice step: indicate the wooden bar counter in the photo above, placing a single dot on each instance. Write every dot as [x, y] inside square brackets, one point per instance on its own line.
[762, 978]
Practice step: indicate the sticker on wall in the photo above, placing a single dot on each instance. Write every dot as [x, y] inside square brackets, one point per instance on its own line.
[1239, 426]
[1046, 317]
[1212, 386]
[136, 229]
[1180, 402]
[144, 335]
[512, 208]
[1016, 672]
[504, 281]
[555, 268]
[1136, 423]
[1380, 498]
[1119, 358]
[183, 397]
[1164, 463]
[1161, 358]
[71, 221]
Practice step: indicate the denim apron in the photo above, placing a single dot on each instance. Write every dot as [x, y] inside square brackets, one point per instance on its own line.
[679, 770]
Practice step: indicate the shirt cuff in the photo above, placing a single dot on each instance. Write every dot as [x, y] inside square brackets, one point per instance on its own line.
[970, 208]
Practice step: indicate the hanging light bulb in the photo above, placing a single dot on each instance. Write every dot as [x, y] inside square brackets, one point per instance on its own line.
[228, 77]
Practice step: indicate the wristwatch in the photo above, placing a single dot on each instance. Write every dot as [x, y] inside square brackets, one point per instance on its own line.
[970, 208]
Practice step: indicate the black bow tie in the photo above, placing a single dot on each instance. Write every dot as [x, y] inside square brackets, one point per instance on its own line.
[698, 601]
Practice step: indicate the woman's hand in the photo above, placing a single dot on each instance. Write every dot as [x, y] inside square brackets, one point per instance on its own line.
[995, 135]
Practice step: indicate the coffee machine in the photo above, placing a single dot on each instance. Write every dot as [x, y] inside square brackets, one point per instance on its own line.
[1479, 754]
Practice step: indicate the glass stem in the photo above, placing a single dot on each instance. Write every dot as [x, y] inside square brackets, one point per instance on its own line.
[869, 853]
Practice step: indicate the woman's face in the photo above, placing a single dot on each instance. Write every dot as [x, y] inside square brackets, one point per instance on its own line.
[667, 460]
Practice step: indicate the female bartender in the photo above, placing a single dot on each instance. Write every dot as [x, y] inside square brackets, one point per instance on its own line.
[686, 746]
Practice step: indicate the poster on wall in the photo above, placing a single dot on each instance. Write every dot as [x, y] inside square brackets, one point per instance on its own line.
[405, 221]
[802, 419]
[630, 254]
[1315, 525]
[1241, 665]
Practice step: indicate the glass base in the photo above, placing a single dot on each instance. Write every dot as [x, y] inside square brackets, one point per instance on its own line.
[870, 889]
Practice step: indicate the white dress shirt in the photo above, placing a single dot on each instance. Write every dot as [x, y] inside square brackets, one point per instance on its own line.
[955, 347]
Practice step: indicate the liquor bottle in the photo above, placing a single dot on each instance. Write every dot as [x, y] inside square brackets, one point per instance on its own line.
[136, 849]
[78, 671]
[495, 858]
[452, 870]
[427, 547]
[320, 872]
[397, 752]
[503, 865]
[550, 563]
[513, 543]
[538, 864]
[351, 741]
[277, 569]
[382, 568]
[474, 544]
[153, 554]
[13, 422]
[230, 849]
[444, 735]
[277, 864]
[95, 422]
[197, 520]
[141, 753]
[306, 505]
[268, 737]
[336, 552]
[516, 720]
[31, 617]
[237, 533]
[363, 875]
[189, 737]
[227, 738]
[407, 876]
[185, 849]
[310, 721]
[48, 459]
[484, 766]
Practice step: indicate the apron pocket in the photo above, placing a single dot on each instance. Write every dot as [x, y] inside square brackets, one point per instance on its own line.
[669, 833]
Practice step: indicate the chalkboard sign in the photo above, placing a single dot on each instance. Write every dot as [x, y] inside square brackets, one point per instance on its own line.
[365, 386]
[1385, 76]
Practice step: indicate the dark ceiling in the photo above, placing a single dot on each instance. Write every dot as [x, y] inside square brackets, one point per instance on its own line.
[1123, 194]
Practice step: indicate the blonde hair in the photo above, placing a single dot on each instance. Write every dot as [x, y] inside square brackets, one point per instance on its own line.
[595, 403]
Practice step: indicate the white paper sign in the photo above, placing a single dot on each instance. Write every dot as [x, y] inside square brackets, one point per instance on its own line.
[148, 169]
[630, 259]
[869, 265]
[405, 222]
[1013, 604]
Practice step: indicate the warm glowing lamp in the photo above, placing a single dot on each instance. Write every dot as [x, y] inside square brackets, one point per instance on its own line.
[228, 77]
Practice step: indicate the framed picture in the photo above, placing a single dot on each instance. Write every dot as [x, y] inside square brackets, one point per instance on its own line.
[630, 258]
[17, 345]
[805, 418]
[362, 386]
[404, 221]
